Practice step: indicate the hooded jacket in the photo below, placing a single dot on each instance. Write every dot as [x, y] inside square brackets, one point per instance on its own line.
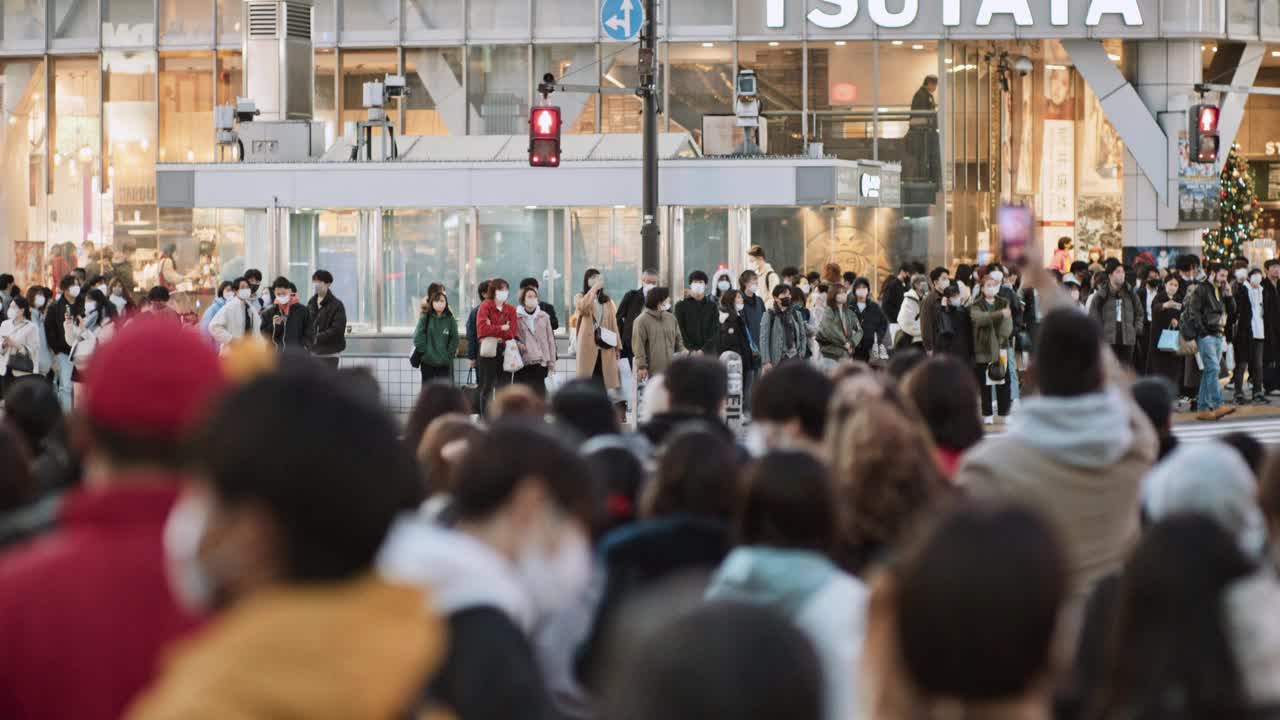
[827, 604]
[229, 324]
[1102, 309]
[357, 649]
[991, 328]
[909, 317]
[436, 337]
[655, 340]
[838, 327]
[1211, 479]
[1080, 461]
[295, 333]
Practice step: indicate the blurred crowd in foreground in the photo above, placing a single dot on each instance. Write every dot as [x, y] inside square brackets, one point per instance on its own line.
[251, 536]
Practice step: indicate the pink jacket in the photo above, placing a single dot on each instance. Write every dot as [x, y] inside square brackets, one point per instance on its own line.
[537, 341]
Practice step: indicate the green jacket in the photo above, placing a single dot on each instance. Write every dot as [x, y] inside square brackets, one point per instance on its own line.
[699, 322]
[991, 330]
[831, 332]
[437, 339]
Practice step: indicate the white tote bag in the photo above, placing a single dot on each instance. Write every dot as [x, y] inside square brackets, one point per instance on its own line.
[511, 359]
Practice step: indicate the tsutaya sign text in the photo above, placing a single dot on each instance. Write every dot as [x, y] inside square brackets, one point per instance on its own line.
[844, 12]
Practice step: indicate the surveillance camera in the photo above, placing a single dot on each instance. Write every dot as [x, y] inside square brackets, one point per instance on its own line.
[394, 86]
[1022, 64]
[246, 109]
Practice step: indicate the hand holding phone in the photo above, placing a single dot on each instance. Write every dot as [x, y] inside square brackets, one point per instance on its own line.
[1016, 230]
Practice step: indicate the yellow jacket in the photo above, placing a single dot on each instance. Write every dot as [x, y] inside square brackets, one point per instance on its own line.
[358, 650]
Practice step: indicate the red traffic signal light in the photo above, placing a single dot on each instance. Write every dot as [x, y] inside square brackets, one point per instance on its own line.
[1208, 120]
[1204, 133]
[544, 136]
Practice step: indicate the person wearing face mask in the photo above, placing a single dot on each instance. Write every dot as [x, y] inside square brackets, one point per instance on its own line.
[114, 613]
[1166, 308]
[656, 337]
[496, 323]
[517, 557]
[931, 305]
[286, 323]
[758, 263]
[599, 339]
[783, 334]
[19, 343]
[874, 322]
[328, 320]
[436, 339]
[122, 298]
[1250, 337]
[257, 294]
[537, 342]
[698, 317]
[87, 332]
[954, 328]
[992, 327]
[630, 307]
[546, 307]
[735, 335]
[839, 332]
[1117, 311]
[753, 310]
[226, 293]
[38, 298]
[275, 537]
[237, 318]
[1146, 300]
[68, 299]
[909, 332]
[721, 283]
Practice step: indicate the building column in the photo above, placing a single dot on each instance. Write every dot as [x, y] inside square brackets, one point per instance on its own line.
[1164, 74]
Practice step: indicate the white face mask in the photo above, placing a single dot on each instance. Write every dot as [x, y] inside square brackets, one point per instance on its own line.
[183, 532]
[118, 301]
[319, 288]
[40, 301]
[531, 304]
[13, 312]
[739, 306]
[943, 284]
[282, 299]
[75, 291]
[861, 294]
[102, 288]
[697, 288]
[243, 293]
[804, 288]
[438, 306]
[1241, 274]
[228, 295]
[501, 296]
[990, 291]
[1255, 280]
[723, 285]
[666, 306]
[842, 298]
[554, 580]
[999, 276]
[117, 292]
[955, 302]
[646, 287]
[91, 307]
[750, 289]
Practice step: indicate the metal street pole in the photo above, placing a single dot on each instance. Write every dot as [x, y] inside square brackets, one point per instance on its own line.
[648, 66]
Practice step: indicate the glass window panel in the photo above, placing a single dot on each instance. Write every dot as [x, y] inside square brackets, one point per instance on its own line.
[358, 68]
[129, 125]
[577, 63]
[75, 141]
[607, 239]
[22, 24]
[332, 240]
[706, 239]
[323, 28]
[230, 81]
[620, 113]
[186, 107]
[432, 19]
[841, 88]
[230, 21]
[498, 89]
[74, 24]
[512, 246]
[781, 88]
[436, 104]
[326, 103]
[714, 14]
[186, 22]
[780, 231]
[128, 23]
[22, 168]
[421, 247]
[908, 110]
[565, 18]
[208, 247]
[498, 18]
[371, 21]
[700, 81]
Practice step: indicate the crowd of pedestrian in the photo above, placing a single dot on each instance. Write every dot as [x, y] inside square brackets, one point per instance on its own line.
[205, 534]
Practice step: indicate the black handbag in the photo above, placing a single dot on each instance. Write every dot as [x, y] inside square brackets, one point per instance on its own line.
[471, 391]
[21, 363]
[415, 359]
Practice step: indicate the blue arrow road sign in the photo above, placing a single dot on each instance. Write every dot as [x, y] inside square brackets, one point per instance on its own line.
[621, 19]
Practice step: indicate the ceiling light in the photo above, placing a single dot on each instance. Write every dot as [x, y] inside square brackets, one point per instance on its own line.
[841, 43]
[619, 207]
[708, 44]
[1055, 67]
[774, 43]
[896, 42]
[1275, 53]
[917, 47]
[946, 60]
[530, 207]
[1202, 48]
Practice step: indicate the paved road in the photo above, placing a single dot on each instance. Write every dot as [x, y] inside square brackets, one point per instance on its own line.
[1266, 430]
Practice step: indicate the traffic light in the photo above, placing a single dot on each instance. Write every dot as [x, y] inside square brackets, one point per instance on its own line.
[544, 136]
[1204, 133]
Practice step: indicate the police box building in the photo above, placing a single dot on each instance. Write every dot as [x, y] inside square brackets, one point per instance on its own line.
[388, 140]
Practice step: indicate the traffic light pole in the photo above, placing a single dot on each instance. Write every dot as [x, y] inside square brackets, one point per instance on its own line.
[649, 231]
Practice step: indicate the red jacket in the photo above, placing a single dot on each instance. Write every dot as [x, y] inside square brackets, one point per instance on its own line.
[489, 321]
[86, 611]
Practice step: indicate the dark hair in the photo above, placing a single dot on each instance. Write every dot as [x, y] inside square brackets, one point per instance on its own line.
[6, 280]
[1110, 265]
[950, 292]
[697, 473]
[323, 276]
[222, 287]
[797, 295]
[780, 289]
[832, 293]
[619, 475]
[511, 452]
[18, 485]
[1168, 644]
[697, 383]
[757, 251]
[718, 661]
[584, 406]
[436, 398]
[253, 274]
[1253, 452]
[786, 500]
[850, 277]
[1271, 263]
[945, 393]
[1063, 242]
[281, 283]
[158, 293]
[66, 282]
[525, 290]
[862, 282]
[31, 407]
[1068, 354]
[656, 297]
[790, 271]
[903, 361]
[976, 630]
[22, 304]
[813, 277]
[529, 283]
[936, 273]
[1156, 396]
[793, 391]
[483, 289]
[495, 285]
[698, 276]
[1079, 266]
[907, 266]
[1215, 268]
[601, 297]
[729, 300]
[746, 277]
[105, 308]
[1187, 262]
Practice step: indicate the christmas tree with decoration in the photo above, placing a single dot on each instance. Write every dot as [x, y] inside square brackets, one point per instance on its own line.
[1239, 212]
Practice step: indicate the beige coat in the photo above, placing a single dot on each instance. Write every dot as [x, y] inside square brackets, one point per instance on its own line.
[584, 306]
[655, 339]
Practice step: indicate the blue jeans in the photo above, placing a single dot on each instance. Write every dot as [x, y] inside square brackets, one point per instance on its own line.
[1210, 348]
[62, 376]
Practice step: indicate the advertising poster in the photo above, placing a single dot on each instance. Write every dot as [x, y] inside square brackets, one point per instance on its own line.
[1101, 151]
[28, 263]
[1057, 172]
[1199, 187]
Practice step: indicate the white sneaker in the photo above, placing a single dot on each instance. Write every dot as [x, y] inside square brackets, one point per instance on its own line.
[988, 420]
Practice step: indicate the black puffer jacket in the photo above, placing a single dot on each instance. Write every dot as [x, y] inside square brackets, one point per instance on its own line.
[329, 325]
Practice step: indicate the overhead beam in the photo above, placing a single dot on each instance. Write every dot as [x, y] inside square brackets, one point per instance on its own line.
[1233, 101]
